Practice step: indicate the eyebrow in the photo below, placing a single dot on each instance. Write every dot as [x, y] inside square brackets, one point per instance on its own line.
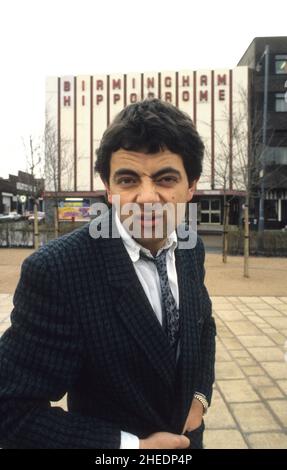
[162, 171]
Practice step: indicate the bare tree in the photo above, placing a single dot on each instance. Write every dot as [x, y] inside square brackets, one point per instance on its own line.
[247, 163]
[34, 160]
[247, 154]
[221, 180]
[246, 136]
[243, 137]
[55, 172]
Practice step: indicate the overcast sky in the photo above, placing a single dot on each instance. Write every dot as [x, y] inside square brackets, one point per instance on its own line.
[63, 37]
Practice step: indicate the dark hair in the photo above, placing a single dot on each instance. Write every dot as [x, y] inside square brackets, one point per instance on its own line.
[151, 126]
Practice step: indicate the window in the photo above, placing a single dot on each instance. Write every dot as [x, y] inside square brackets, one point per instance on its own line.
[281, 63]
[280, 103]
[204, 204]
[210, 211]
[271, 210]
[215, 204]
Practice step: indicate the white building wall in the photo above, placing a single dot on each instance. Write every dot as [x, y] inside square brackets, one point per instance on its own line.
[221, 129]
[100, 118]
[116, 94]
[185, 92]
[83, 132]
[106, 106]
[150, 85]
[52, 117]
[67, 133]
[168, 87]
[133, 90]
[203, 123]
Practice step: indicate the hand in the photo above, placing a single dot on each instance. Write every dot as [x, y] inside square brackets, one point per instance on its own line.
[165, 440]
[195, 415]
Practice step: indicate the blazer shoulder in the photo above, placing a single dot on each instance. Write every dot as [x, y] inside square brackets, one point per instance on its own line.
[65, 247]
[192, 242]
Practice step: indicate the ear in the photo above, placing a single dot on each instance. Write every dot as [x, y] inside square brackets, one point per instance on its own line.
[191, 190]
[109, 194]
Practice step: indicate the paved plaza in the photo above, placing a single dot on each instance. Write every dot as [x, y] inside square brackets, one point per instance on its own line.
[250, 396]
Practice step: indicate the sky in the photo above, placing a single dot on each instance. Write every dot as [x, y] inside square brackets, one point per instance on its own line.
[40, 38]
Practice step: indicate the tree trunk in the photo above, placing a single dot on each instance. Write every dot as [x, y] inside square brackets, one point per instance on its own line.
[36, 227]
[246, 239]
[225, 231]
[56, 221]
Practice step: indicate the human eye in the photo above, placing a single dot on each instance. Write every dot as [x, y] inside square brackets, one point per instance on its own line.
[126, 181]
[168, 180]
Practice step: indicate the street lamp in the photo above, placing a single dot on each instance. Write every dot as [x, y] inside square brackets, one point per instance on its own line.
[265, 55]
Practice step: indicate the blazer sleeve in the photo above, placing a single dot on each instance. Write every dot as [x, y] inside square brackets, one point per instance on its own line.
[40, 356]
[204, 383]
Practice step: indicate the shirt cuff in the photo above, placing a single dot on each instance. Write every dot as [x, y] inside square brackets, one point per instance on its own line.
[129, 441]
[199, 393]
[203, 400]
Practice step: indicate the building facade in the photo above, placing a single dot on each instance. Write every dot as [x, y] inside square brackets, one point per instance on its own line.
[16, 193]
[80, 108]
[274, 173]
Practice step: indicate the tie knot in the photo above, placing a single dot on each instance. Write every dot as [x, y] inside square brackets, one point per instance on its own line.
[159, 260]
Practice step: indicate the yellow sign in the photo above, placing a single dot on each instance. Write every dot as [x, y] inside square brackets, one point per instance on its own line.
[74, 213]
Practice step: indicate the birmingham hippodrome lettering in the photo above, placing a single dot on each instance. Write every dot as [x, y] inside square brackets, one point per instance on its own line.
[185, 89]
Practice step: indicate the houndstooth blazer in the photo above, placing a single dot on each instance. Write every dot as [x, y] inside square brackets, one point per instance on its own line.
[82, 325]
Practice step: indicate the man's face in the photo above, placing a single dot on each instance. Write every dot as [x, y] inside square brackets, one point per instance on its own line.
[147, 179]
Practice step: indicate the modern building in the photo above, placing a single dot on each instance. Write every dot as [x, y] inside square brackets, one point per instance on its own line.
[267, 60]
[220, 102]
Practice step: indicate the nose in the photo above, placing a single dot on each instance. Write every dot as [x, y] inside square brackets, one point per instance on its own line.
[147, 192]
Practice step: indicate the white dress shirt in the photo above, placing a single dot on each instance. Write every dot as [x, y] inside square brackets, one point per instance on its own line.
[149, 279]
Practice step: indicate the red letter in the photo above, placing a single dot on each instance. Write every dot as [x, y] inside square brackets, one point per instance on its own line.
[221, 80]
[185, 96]
[168, 97]
[117, 98]
[221, 95]
[185, 81]
[99, 99]
[150, 82]
[167, 82]
[67, 86]
[116, 84]
[83, 85]
[203, 96]
[133, 98]
[203, 80]
[67, 101]
[100, 85]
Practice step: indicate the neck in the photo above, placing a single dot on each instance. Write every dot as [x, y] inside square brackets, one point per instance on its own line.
[152, 245]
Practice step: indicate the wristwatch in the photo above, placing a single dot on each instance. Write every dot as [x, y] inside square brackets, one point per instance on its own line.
[203, 401]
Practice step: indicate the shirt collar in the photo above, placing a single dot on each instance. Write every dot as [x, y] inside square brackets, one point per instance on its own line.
[133, 247]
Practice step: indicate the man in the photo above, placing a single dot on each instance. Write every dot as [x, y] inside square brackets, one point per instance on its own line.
[122, 323]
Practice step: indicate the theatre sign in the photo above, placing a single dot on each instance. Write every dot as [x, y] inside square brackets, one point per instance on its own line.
[81, 107]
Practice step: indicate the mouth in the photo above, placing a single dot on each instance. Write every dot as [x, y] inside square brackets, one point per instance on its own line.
[148, 219]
